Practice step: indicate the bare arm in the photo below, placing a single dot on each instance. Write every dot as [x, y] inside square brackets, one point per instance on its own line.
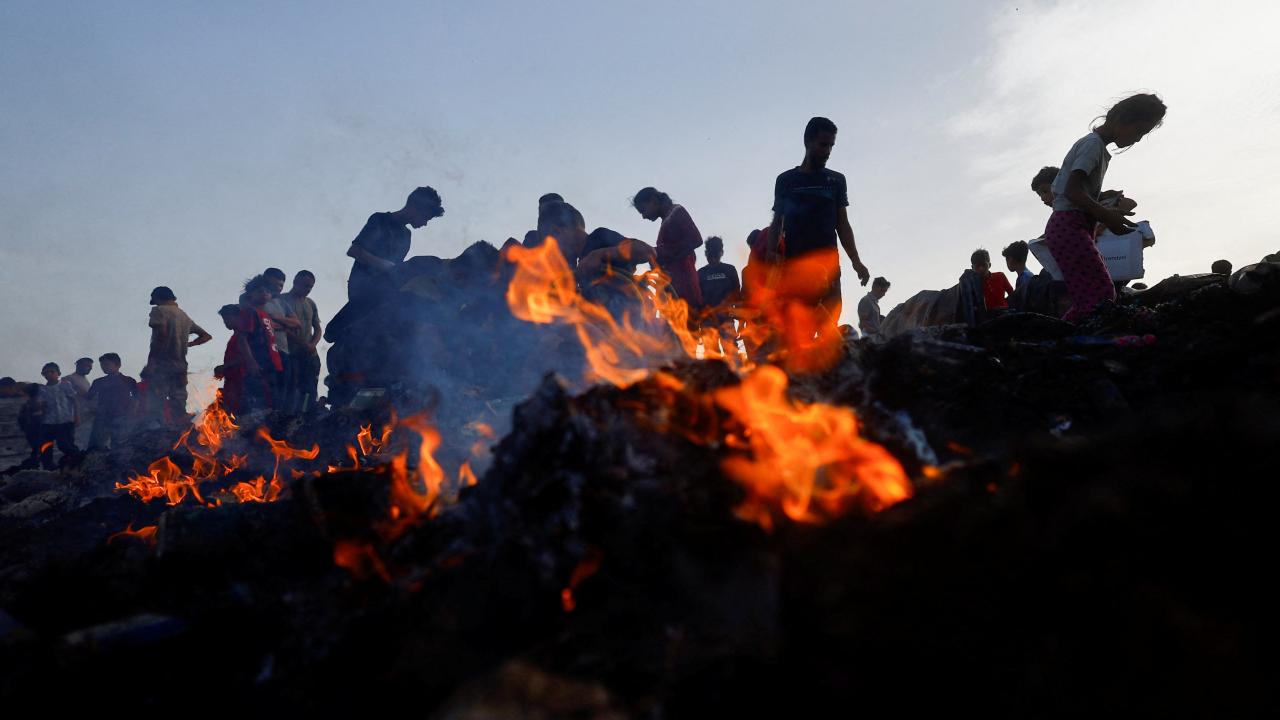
[250, 362]
[1113, 219]
[316, 332]
[202, 337]
[365, 257]
[627, 251]
[845, 232]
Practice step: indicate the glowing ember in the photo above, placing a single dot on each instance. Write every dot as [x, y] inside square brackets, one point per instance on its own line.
[360, 559]
[588, 566]
[147, 533]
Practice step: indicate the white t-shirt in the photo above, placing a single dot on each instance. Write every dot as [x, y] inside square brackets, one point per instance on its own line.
[1090, 155]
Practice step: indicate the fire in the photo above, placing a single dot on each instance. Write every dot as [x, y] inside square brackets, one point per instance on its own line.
[466, 476]
[258, 491]
[483, 429]
[164, 479]
[370, 445]
[45, 447]
[360, 559]
[544, 290]
[790, 317]
[411, 497]
[147, 533]
[805, 459]
[588, 566]
[205, 441]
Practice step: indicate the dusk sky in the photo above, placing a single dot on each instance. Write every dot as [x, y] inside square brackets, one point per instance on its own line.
[194, 144]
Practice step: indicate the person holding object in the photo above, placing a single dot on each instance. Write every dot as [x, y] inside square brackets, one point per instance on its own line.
[1076, 207]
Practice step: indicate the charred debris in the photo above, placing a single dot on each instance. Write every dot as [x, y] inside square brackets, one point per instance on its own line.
[1086, 529]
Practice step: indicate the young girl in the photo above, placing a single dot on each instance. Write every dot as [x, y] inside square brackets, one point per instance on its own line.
[1069, 234]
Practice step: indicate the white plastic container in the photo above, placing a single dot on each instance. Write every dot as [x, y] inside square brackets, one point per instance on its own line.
[1121, 253]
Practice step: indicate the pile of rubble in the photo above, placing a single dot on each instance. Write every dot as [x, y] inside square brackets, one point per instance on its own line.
[1086, 528]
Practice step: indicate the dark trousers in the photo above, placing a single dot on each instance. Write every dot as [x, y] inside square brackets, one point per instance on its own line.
[108, 431]
[64, 436]
[282, 388]
[257, 391]
[306, 381]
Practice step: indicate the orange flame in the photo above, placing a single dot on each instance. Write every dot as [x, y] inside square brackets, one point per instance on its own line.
[589, 565]
[466, 476]
[806, 459]
[411, 497]
[147, 533]
[258, 491]
[483, 429]
[360, 559]
[45, 447]
[163, 479]
[369, 444]
[544, 290]
[791, 315]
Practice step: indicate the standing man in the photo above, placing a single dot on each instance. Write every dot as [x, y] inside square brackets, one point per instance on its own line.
[80, 378]
[303, 342]
[113, 397]
[809, 215]
[869, 317]
[383, 243]
[718, 282]
[166, 369]
[80, 381]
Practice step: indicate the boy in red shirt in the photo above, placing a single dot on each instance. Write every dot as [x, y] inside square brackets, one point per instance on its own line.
[995, 286]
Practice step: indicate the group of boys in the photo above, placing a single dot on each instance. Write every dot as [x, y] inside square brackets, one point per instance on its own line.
[54, 410]
[271, 361]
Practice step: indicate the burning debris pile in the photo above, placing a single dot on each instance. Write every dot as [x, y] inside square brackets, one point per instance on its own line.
[1017, 516]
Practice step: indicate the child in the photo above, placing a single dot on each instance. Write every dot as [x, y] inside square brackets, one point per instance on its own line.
[59, 416]
[1076, 190]
[1042, 184]
[1015, 258]
[257, 347]
[232, 370]
[113, 396]
[995, 286]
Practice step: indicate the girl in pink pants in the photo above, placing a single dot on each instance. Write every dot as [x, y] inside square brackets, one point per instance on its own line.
[1069, 233]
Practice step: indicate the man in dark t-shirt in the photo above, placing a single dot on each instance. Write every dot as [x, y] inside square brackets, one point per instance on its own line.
[809, 217]
[383, 243]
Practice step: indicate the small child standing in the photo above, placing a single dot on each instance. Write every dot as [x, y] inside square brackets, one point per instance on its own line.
[1076, 189]
[59, 415]
[113, 396]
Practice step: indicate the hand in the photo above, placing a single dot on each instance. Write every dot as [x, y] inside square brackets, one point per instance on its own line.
[218, 372]
[1117, 223]
[863, 273]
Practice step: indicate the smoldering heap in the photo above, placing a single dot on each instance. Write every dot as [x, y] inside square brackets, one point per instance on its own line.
[1086, 526]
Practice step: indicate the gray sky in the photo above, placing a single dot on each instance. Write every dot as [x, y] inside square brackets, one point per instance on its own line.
[194, 144]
